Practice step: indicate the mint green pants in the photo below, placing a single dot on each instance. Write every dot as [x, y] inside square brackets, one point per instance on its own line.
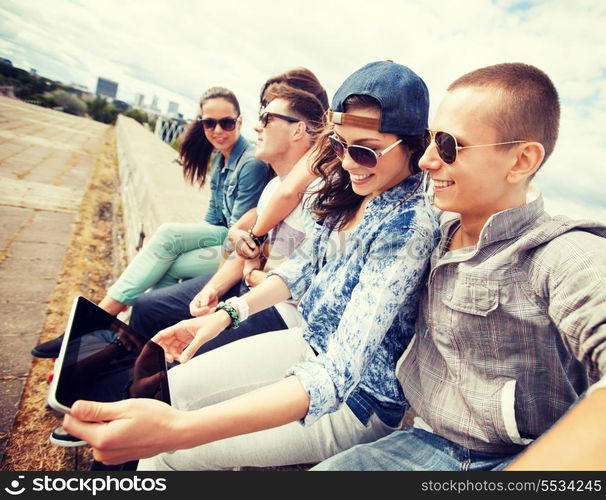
[175, 251]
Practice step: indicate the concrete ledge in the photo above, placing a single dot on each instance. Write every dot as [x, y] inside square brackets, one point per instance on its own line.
[152, 185]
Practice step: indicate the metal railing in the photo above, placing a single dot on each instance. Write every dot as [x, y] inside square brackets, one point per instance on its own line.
[168, 129]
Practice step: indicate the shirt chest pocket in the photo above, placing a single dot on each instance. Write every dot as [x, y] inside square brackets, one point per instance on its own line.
[467, 321]
[231, 183]
[493, 314]
[473, 296]
[230, 191]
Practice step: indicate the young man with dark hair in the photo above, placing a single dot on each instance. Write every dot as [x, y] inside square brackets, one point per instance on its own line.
[287, 129]
[512, 325]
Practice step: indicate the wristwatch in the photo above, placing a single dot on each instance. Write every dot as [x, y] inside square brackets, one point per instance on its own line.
[258, 240]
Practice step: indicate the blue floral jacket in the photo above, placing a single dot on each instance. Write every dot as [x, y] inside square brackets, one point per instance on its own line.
[359, 306]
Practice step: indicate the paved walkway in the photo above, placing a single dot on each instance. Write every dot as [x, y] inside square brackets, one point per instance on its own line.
[46, 160]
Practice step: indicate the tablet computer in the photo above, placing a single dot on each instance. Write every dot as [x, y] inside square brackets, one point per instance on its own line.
[104, 359]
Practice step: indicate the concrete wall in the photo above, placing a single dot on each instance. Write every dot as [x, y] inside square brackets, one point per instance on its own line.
[153, 188]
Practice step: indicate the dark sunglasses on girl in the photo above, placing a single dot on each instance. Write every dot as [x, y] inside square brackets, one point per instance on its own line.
[362, 155]
[448, 147]
[228, 124]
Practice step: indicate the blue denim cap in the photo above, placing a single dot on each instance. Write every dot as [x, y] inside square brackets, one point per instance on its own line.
[402, 94]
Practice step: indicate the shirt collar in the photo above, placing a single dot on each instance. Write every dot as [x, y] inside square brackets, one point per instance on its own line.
[503, 225]
[397, 193]
[385, 201]
[239, 147]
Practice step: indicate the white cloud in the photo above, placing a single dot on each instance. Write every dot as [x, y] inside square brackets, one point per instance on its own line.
[573, 209]
[178, 49]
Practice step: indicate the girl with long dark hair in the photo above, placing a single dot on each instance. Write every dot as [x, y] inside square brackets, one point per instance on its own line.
[211, 146]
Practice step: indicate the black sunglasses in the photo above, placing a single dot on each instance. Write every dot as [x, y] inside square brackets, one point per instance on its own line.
[448, 147]
[362, 155]
[264, 118]
[228, 124]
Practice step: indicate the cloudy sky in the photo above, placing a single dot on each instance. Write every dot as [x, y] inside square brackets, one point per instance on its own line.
[177, 49]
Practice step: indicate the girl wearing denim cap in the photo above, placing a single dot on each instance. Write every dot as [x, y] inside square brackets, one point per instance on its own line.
[302, 395]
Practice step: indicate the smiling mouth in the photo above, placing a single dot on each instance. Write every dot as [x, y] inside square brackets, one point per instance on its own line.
[360, 178]
[442, 184]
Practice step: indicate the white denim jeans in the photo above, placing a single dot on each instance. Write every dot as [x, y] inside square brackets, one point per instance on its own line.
[243, 366]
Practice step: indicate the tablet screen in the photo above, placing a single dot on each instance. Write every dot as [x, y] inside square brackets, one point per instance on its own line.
[103, 359]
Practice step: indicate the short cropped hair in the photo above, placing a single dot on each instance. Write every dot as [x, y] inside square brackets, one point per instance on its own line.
[301, 104]
[530, 106]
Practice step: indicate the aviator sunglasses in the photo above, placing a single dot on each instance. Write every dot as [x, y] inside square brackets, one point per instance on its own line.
[228, 124]
[362, 155]
[447, 146]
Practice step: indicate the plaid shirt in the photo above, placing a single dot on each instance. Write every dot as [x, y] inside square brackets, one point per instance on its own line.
[508, 329]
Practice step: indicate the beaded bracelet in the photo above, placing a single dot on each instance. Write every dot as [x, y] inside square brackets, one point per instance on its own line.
[233, 314]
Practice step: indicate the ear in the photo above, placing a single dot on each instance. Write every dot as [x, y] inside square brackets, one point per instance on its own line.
[527, 161]
[300, 131]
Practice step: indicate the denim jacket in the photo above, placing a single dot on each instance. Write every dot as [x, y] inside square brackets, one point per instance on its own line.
[359, 306]
[236, 186]
[509, 329]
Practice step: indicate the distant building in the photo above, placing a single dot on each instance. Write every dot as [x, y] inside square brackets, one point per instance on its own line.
[139, 100]
[79, 86]
[154, 104]
[173, 109]
[106, 88]
[81, 90]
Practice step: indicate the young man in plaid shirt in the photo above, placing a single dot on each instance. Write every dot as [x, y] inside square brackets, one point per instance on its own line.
[512, 324]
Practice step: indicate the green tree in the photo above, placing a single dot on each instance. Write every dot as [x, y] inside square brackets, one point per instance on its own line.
[27, 86]
[176, 143]
[137, 114]
[70, 103]
[99, 109]
[47, 100]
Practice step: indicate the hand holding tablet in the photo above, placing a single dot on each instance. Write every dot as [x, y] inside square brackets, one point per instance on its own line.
[103, 359]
